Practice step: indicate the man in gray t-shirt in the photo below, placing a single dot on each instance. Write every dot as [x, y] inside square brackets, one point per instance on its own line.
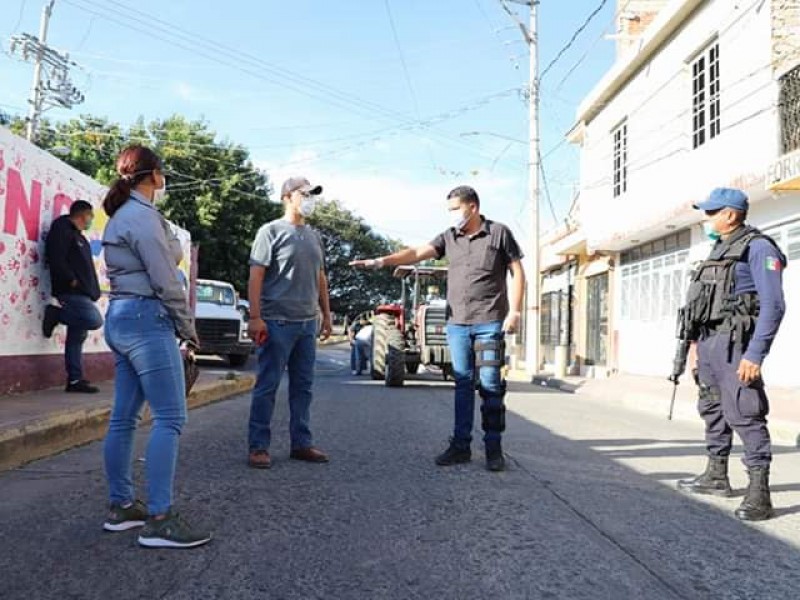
[288, 289]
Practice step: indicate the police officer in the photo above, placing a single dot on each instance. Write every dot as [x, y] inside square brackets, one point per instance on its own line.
[481, 253]
[736, 300]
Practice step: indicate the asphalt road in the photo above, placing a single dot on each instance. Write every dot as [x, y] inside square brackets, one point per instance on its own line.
[586, 509]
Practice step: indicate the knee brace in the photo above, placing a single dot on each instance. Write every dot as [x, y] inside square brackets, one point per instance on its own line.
[490, 353]
[493, 418]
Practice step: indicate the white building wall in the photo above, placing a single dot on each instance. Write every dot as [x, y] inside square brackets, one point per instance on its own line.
[666, 175]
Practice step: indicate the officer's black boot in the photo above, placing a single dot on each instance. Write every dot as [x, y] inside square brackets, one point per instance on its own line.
[756, 505]
[714, 480]
[495, 461]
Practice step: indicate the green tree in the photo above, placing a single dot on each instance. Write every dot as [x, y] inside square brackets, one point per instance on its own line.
[215, 192]
[222, 199]
[347, 237]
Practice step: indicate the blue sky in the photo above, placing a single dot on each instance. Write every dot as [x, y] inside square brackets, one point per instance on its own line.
[319, 88]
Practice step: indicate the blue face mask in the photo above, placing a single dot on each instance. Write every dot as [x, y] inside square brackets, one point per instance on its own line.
[710, 232]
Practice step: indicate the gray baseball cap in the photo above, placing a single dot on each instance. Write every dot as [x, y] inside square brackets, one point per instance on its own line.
[299, 183]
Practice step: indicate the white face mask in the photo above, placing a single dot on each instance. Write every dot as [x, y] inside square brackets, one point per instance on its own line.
[307, 206]
[458, 219]
[160, 193]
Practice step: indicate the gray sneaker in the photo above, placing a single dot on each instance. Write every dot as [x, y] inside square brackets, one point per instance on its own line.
[123, 518]
[171, 532]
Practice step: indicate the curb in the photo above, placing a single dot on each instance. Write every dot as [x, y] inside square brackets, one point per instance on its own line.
[65, 430]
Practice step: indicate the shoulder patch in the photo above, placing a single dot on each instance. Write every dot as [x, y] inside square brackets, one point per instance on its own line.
[773, 264]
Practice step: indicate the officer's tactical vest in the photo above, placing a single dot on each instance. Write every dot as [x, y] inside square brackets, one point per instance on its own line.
[710, 300]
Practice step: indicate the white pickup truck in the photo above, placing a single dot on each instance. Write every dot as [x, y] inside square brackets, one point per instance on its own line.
[221, 322]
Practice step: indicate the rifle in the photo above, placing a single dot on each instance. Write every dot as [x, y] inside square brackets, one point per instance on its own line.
[686, 332]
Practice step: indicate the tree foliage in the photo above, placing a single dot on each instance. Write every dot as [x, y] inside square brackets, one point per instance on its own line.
[347, 237]
[214, 190]
[221, 198]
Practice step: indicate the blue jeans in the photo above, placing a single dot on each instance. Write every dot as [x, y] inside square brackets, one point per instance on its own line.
[80, 315]
[291, 346]
[462, 339]
[358, 355]
[148, 366]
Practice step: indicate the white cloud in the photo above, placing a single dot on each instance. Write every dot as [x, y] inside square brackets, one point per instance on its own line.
[400, 204]
[189, 93]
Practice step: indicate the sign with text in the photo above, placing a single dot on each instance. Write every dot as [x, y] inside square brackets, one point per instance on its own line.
[784, 173]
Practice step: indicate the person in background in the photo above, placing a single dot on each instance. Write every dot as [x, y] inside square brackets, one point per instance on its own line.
[74, 284]
[363, 344]
[148, 309]
[356, 360]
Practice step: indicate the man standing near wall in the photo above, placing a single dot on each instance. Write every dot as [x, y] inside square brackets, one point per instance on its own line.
[74, 284]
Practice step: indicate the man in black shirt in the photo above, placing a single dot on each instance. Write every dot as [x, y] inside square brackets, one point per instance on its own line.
[74, 284]
[481, 253]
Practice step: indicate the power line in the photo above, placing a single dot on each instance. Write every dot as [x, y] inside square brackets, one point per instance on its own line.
[547, 190]
[19, 18]
[244, 62]
[51, 84]
[406, 73]
[494, 31]
[574, 37]
[585, 55]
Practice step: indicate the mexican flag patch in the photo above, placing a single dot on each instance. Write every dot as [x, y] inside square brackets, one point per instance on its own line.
[773, 264]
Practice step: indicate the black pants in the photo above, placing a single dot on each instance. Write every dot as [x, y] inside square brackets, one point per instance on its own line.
[727, 405]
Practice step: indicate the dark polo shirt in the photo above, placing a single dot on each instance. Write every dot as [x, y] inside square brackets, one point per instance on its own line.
[476, 278]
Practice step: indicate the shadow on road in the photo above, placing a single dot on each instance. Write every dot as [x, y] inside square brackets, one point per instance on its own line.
[565, 521]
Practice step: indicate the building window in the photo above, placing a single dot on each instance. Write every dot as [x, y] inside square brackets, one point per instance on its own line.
[705, 96]
[680, 240]
[790, 110]
[620, 160]
[655, 277]
[788, 239]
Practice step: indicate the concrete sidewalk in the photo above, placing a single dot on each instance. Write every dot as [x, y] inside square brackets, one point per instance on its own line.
[653, 394]
[46, 422]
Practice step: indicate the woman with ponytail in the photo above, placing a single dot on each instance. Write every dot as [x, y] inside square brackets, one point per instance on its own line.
[148, 309]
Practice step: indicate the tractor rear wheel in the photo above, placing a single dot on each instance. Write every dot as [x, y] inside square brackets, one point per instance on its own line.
[395, 368]
[381, 326]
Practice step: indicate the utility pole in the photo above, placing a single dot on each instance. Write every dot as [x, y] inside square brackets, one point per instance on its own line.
[36, 87]
[531, 317]
[57, 89]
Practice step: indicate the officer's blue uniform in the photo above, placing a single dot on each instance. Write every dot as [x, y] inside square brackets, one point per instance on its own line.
[734, 406]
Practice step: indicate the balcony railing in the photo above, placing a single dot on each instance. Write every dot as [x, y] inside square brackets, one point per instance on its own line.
[790, 110]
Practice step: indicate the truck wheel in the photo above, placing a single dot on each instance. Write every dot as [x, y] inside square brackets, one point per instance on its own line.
[381, 326]
[237, 360]
[395, 370]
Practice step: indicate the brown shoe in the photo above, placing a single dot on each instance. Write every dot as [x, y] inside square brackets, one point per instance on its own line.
[259, 459]
[309, 454]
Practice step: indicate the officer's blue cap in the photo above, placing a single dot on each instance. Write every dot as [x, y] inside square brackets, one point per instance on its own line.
[725, 198]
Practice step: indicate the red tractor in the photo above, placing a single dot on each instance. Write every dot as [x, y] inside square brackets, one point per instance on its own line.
[412, 332]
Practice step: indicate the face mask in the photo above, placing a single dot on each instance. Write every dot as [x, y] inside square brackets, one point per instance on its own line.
[710, 232]
[458, 219]
[160, 193]
[88, 225]
[307, 206]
